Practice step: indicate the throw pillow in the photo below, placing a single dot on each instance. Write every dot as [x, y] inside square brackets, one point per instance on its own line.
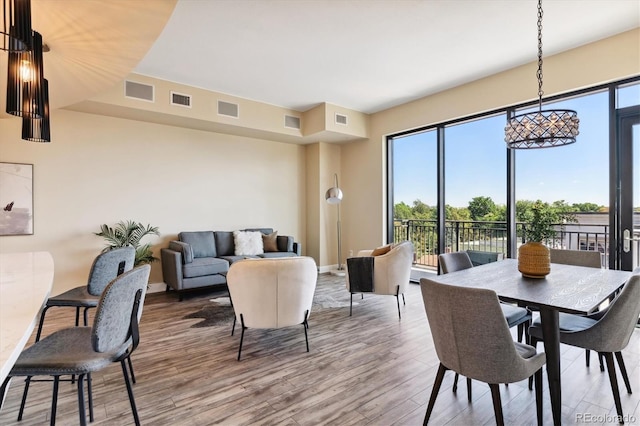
[381, 250]
[270, 241]
[248, 243]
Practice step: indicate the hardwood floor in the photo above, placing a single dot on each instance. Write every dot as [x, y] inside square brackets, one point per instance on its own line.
[368, 369]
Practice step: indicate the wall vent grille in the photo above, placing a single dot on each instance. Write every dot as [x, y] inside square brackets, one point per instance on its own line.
[144, 92]
[228, 109]
[180, 99]
[341, 119]
[292, 122]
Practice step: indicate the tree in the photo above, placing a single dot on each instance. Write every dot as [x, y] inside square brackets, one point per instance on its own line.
[402, 211]
[481, 207]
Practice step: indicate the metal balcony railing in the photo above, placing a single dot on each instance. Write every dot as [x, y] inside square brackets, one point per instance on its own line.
[492, 237]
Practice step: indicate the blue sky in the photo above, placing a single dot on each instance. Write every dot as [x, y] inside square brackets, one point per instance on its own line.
[475, 161]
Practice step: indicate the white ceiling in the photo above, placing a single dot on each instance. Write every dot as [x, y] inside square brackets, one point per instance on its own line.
[367, 55]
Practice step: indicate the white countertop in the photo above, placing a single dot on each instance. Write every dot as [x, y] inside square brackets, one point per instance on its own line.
[25, 284]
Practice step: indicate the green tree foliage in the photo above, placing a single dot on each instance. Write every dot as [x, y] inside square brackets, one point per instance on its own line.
[402, 211]
[481, 207]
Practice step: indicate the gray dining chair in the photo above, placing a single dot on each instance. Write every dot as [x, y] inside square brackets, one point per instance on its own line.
[515, 316]
[83, 350]
[607, 332]
[106, 266]
[488, 353]
[589, 258]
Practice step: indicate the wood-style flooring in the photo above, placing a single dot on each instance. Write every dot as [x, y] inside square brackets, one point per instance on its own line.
[368, 369]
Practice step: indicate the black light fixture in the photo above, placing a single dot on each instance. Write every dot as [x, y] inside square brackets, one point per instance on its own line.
[38, 129]
[25, 96]
[542, 128]
[16, 25]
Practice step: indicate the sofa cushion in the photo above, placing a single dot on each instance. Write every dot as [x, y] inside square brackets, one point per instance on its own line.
[232, 259]
[205, 266]
[248, 243]
[274, 254]
[270, 241]
[285, 243]
[224, 243]
[263, 230]
[202, 243]
[184, 248]
[382, 250]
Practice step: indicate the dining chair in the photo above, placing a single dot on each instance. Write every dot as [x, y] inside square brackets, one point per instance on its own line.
[487, 354]
[589, 258]
[83, 350]
[607, 332]
[515, 316]
[106, 266]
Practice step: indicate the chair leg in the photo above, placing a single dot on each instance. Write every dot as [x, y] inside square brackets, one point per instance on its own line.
[434, 392]
[404, 302]
[81, 408]
[600, 358]
[304, 324]
[533, 342]
[77, 316]
[27, 382]
[133, 376]
[587, 356]
[132, 400]
[538, 380]
[3, 390]
[241, 335]
[520, 332]
[90, 395]
[608, 356]
[44, 311]
[85, 315]
[468, 389]
[623, 370]
[497, 403]
[351, 305]
[54, 400]
[455, 383]
[398, 300]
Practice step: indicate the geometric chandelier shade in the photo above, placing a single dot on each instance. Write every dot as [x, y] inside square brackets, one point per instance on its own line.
[25, 75]
[16, 25]
[38, 129]
[542, 128]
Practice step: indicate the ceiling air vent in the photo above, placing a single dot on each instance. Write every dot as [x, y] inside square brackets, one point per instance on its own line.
[180, 99]
[341, 119]
[143, 92]
[228, 109]
[292, 122]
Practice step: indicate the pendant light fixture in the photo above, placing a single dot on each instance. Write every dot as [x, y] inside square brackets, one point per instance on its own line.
[542, 128]
[16, 25]
[25, 96]
[38, 129]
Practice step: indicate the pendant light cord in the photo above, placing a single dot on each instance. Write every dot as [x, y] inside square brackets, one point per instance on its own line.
[539, 73]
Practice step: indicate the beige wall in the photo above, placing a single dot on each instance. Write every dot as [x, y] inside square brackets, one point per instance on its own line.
[103, 170]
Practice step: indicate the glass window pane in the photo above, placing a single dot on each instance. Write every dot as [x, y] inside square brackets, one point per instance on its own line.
[476, 185]
[628, 96]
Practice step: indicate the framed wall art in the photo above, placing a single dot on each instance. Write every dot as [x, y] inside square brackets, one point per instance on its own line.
[16, 199]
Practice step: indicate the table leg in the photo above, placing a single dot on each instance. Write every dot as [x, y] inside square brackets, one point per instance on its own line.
[551, 336]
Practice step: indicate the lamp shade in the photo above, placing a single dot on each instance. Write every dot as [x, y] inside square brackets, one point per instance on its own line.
[16, 25]
[38, 129]
[25, 95]
[333, 195]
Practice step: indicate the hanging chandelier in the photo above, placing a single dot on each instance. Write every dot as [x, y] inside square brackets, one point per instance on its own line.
[542, 128]
[16, 25]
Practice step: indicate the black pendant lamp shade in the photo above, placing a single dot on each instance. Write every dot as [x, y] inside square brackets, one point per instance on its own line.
[16, 25]
[38, 129]
[25, 95]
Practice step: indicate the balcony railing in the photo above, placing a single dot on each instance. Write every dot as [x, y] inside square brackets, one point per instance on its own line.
[492, 237]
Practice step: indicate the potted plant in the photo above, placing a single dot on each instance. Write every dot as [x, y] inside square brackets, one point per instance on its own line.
[130, 233]
[533, 256]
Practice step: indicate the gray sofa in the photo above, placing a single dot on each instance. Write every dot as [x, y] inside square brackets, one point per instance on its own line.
[202, 259]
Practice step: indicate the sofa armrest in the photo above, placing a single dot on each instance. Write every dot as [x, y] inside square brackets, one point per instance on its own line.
[172, 268]
[183, 248]
[297, 248]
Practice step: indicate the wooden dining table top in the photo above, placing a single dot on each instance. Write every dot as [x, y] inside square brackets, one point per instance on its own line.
[567, 288]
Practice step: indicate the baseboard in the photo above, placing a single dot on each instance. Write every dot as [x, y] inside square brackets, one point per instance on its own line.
[156, 287]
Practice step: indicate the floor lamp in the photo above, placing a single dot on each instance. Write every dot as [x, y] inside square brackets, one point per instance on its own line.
[334, 196]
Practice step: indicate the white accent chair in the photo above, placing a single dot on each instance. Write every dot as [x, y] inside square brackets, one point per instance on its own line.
[272, 293]
[391, 273]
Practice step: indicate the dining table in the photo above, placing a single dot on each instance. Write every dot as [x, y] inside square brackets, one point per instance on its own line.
[25, 283]
[567, 288]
